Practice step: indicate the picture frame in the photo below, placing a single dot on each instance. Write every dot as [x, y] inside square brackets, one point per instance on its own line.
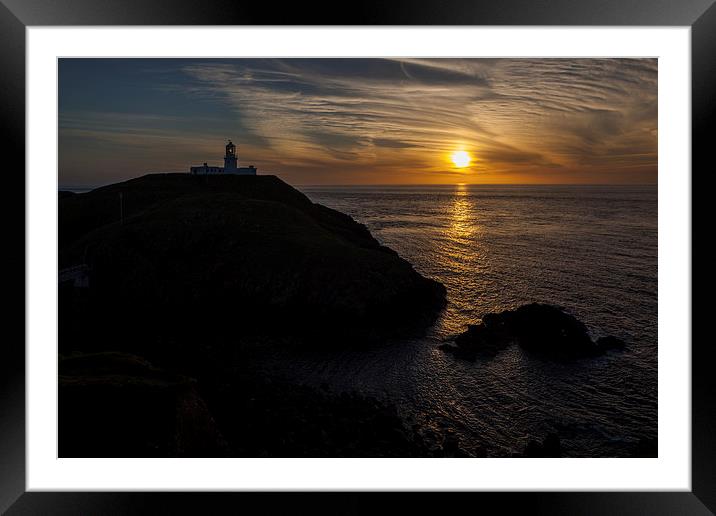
[16, 15]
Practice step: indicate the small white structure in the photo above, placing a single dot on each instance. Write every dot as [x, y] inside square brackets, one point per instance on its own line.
[231, 162]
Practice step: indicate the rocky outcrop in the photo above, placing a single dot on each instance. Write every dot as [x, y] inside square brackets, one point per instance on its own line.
[541, 329]
[119, 405]
[550, 446]
[199, 259]
[646, 447]
[273, 418]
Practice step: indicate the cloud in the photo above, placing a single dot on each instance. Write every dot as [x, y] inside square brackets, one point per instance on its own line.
[396, 115]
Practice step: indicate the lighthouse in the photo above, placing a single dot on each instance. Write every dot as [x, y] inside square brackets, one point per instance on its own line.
[231, 160]
[231, 165]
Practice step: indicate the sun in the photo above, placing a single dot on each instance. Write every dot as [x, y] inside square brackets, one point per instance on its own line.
[460, 158]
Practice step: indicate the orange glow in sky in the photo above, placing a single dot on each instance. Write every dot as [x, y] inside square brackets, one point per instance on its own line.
[362, 121]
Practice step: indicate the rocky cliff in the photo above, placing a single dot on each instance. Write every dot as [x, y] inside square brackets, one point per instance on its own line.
[179, 259]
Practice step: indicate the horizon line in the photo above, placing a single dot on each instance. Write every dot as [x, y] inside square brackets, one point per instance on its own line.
[312, 185]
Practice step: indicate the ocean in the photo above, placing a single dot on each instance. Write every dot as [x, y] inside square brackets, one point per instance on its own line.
[589, 249]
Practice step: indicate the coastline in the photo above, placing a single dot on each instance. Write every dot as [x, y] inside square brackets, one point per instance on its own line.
[443, 441]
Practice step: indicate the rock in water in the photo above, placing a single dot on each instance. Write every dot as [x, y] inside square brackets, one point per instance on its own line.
[198, 259]
[610, 342]
[548, 330]
[542, 329]
[549, 447]
[646, 447]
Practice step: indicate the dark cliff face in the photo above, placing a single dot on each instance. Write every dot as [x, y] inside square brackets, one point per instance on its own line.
[199, 274]
[201, 260]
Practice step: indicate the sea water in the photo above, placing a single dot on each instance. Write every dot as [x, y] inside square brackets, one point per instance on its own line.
[589, 249]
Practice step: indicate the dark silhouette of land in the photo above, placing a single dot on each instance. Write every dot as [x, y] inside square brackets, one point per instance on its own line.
[168, 281]
[198, 259]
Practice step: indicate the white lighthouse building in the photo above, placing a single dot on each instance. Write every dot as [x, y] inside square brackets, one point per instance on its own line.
[231, 165]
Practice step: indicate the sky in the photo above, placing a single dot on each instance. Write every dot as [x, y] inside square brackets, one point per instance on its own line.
[362, 121]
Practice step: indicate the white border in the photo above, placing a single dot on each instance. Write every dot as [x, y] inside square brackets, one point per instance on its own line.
[670, 471]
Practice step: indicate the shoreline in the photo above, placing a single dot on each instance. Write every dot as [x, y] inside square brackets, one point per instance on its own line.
[403, 357]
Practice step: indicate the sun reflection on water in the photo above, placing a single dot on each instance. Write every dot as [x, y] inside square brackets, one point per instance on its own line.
[462, 253]
[461, 224]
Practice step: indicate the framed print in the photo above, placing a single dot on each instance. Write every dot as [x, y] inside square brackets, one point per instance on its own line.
[447, 250]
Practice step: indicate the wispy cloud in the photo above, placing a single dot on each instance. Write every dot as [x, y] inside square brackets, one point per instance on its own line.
[397, 120]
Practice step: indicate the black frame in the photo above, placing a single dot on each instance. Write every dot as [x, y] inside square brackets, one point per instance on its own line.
[15, 15]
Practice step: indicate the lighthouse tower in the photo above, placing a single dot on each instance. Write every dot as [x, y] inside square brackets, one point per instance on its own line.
[231, 165]
[230, 159]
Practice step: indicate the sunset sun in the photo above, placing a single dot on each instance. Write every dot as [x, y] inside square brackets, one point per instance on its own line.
[461, 159]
